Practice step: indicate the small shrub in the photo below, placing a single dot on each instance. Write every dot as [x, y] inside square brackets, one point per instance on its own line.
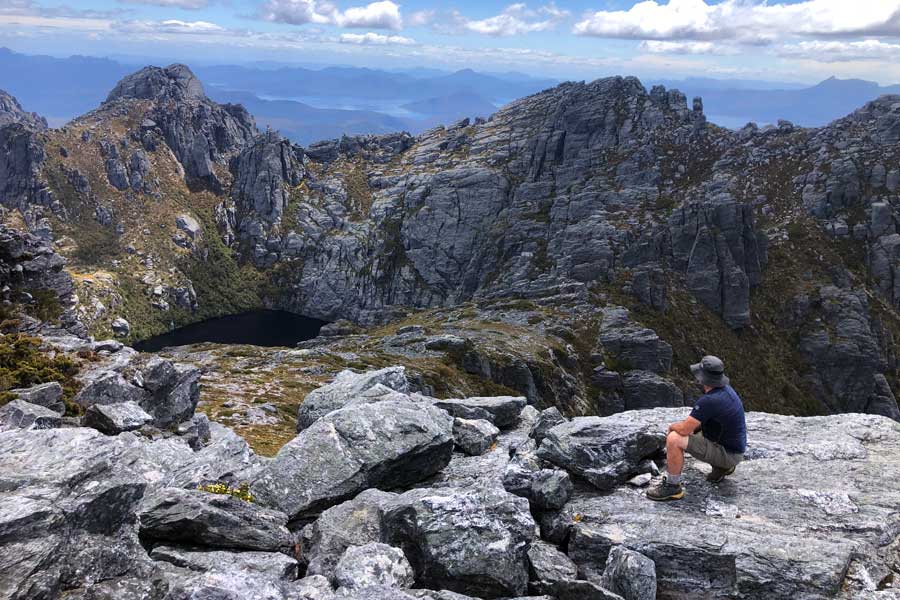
[22, 364]
[242, 492]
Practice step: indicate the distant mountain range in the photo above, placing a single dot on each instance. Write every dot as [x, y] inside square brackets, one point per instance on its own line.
[308, 104]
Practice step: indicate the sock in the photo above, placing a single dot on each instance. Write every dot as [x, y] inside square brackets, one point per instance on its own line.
[673, 479]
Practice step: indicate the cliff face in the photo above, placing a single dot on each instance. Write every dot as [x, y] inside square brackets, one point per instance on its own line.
[775, 243]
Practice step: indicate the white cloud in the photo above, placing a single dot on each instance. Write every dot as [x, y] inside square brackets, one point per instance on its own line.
[188, 4]
[740, 20]
[376, 15]
[661, 47]
[840, 51]
[172, 26]
[376, 39]
[517, 19]
[421, 18]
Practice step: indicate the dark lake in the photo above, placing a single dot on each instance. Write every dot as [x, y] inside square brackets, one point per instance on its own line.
[257, 327]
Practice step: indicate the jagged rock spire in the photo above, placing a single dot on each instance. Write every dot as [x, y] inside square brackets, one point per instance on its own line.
[175, 82]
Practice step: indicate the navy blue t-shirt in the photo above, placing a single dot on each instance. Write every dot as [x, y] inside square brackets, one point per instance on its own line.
[721, 415]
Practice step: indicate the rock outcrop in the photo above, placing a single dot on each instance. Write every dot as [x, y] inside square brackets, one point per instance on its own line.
[120, 515]
[12, 112]
[202, 134]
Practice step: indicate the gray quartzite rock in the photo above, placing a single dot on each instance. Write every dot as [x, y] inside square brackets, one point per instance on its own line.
[603, 450]
[502, 411]
[19, 414]
[632, 345]
[67, 503]
[113, 419]
[374, 564]
[388, 444]
[192, 516]
[474, 436]
[273, 564]
[49, 395]
[730, 541]
[547, 419]
[468, 540]
[547, 563]
[630, 574]
[353, 523]
[346, 386]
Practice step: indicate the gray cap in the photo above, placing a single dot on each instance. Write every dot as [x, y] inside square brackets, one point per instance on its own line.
[710, 371]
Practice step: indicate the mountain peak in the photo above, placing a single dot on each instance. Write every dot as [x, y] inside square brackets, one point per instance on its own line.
[176, 82]
[12, 112]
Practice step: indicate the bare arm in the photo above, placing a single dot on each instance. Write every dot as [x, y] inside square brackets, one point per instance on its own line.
[686, 427]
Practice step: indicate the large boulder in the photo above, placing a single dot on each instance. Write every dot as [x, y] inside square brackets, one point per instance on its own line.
[68, 499]
[48, 395]
[355, 522]
[217, 520]
[374, 564]
[502, 411]
[474, 436]
[174, 390]
[347, 386]
[605, 451]
[272, 564]
[468, 540]
[389, 444]
[630, 574]
[19, 414]
[113, 419]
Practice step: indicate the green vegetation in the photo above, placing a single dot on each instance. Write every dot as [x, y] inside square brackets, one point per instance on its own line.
[22, 364]
[96, 243]
[45, 306]
[242, 492]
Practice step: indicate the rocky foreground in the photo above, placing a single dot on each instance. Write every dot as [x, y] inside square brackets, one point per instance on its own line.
[386, 493]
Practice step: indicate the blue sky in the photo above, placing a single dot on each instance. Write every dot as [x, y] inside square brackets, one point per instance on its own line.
[795, 40]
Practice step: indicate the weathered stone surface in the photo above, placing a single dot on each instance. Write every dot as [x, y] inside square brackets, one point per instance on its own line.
[355, 522]
[547, 563]
[629, 574]
[474, 436]
[373, 564]
[630, 345]
[347, 386]
[12, 112]
[605, 451]
[502, 411]
[113, 419]
[730, 540]
[550, 489]
[48, 395]
[174, 390]
[643, 389]
[388, 444]
[468, 540]
[192, 516]
[19, 414]
[67, 503]
[313, 587]
[272, 564]
[549, 418]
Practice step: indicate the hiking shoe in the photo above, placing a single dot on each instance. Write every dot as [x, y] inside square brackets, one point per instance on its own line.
[666, 491]
[718, 474]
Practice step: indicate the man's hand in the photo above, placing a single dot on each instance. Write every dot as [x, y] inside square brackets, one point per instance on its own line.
[686, 427]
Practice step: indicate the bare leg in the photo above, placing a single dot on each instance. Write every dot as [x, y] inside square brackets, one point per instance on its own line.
[675, 447]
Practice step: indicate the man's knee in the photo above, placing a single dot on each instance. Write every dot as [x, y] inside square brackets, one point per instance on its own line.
[676, 440]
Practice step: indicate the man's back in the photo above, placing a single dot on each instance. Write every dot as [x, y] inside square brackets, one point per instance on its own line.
[721, 415]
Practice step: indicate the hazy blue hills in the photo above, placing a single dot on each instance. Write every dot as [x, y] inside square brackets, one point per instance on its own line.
[311, 102]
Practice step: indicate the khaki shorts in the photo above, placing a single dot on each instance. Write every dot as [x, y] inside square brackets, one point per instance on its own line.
[712, 453]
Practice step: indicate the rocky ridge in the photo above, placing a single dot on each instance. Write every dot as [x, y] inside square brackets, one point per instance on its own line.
[585, 197]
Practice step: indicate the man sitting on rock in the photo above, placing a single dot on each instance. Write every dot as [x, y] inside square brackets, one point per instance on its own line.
[722, 437]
